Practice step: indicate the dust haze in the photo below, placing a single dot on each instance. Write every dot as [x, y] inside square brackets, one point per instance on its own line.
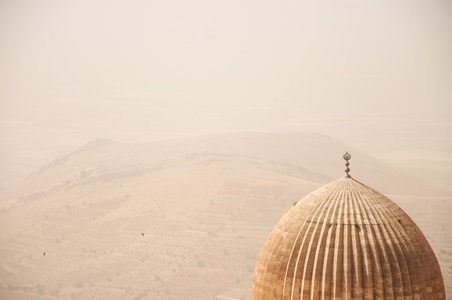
[148, 147]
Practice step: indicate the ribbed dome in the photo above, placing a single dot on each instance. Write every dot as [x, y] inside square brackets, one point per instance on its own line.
[347, 241]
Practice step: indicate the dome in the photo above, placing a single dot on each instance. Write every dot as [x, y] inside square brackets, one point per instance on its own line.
[347, 241]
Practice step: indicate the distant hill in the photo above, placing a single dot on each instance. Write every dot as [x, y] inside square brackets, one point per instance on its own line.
[181, 218]
[314, 152]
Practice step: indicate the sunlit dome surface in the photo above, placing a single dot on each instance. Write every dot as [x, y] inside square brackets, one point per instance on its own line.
[347, 241]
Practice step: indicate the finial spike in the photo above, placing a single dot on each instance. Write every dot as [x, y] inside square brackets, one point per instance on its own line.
[347, 157]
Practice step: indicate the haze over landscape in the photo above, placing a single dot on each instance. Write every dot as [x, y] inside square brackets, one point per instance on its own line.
[198, 124]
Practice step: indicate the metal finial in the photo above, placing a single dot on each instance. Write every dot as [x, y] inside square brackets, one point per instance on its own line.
[347, 157]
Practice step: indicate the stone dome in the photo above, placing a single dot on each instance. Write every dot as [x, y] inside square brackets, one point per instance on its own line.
[347, 241]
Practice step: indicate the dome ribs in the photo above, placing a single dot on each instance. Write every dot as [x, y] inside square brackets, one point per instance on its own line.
[363, 282]
[381, 262]
[327, 289]
[347, 241]
[376, 246]
[347, 268]
[357, 265]
[338, 265]
[323, 245]
[419, 246]
[390, 264]
[292, 263]
[373, 281]
[385, 215]
[404, 245]
[307, 277]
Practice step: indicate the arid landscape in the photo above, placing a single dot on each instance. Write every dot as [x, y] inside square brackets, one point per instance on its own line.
[182, 218]
[148, 148]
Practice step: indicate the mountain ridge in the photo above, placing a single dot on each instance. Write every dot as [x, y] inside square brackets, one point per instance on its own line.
[318, 153]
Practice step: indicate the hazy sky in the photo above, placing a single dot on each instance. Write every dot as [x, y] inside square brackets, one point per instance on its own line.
[361, 71]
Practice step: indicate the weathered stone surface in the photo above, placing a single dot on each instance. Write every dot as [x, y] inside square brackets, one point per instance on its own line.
[347, 241]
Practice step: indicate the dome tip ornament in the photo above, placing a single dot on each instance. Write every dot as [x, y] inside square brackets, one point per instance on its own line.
[347, 157]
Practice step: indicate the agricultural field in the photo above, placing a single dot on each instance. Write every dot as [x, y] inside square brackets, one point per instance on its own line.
[115, 221]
